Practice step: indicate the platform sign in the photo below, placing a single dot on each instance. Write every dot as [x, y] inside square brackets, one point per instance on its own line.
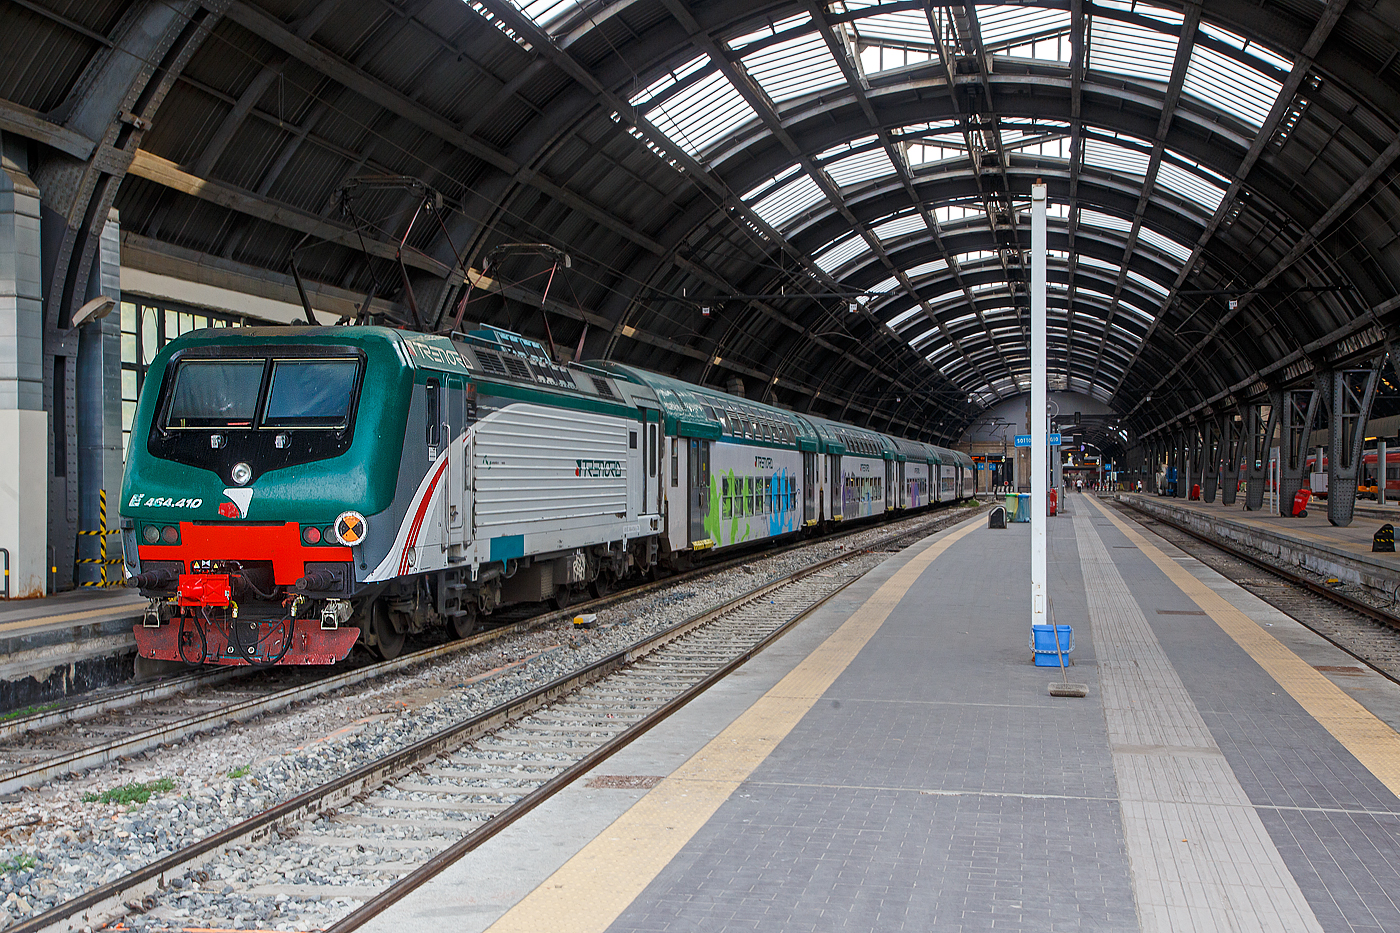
[1024, 440]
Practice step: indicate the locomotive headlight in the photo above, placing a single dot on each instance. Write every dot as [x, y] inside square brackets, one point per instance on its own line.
[151, 533]
[241, 473]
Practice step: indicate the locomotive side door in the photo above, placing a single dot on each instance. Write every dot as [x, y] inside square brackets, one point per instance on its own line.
[699, 487]
[809, 487]
[455, 424]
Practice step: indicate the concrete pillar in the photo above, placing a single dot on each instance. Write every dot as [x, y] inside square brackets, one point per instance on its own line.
[24, 425]
[1380, 471]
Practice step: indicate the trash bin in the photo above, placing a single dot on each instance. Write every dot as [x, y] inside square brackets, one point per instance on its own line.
[1023, 507]
[1052, 502]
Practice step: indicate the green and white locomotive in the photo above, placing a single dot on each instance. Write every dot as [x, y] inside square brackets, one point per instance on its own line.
[293, 491]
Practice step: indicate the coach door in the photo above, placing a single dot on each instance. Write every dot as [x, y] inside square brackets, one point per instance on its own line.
[809, 487]
[699, 488]
[889, 485]
[456, 422]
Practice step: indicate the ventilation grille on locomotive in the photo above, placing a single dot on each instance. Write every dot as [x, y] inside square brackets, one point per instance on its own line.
[490, 363]
[603, 388]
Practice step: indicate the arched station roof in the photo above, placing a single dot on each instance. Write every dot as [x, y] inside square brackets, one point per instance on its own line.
[825, 201]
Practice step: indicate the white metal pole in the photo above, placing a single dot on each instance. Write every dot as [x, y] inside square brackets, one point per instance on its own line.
[1380, 472]
[1039, 450]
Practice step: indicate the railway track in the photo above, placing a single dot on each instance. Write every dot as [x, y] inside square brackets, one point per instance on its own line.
[1365, 631]
[424, 805]
[97, 730]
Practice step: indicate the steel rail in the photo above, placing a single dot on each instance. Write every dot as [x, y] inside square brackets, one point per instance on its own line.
[89, 908]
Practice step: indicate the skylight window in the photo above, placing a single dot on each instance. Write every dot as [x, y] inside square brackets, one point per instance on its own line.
[1154, 287]
[905, 316]
[1130, 49]
[1025, 31]
[1104, 221]
[794, 68]
[1246, 46]
[893, 229]
[841, 253]
[668, 80]
[767, 184]
[1169, 246]
[546, 13]
[1094, 262]
[788, 201]
[1231, 86]
[919, 271]
[888, 285]
[1190, 185]
[1121, 160]
[739, 43]
[863, 166]
[951, 212]
[704, 113]
[924, 338]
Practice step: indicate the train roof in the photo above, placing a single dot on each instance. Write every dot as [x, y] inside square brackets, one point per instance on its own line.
[698, 411]
[915, 450]
[838, 438]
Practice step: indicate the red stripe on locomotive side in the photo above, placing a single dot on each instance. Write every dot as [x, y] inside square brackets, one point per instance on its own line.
[417, 525]
[280, 544]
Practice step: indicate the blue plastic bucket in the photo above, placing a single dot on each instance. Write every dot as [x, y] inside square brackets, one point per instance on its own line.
[1043, 644]
[1023, 507]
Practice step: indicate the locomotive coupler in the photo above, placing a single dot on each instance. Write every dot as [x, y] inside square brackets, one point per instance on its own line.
[157, 613]
[335, 613]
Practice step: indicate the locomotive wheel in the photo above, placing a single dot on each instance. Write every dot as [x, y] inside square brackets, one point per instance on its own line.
[602, 586]
[464, 625]
[388, 639]
[562, 597]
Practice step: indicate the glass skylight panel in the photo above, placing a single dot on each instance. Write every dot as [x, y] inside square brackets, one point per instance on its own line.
[788, 201]
[877, 58]
[1104, 221]
[924, 338]
[739, 43]
[901, 26]
[923, 153]
[1121, 160]
[888, 285]
[769, 182]
[794, 68]
[863, 166]
[1246, 46]
[1016, 28]
[960, 319]
[893, 229]
[937, 265]
[942, 353]
[841, 253]
[1149, 284]
[1190, 186]
[546, 12]
[668, 80]
[976, 255]
[1134, 310]
[1130, 49]
[1094, 262]
[703, 113]
[1230, 86]
[1166, 245]
[948, 213]
[905, 316]
[848, 146]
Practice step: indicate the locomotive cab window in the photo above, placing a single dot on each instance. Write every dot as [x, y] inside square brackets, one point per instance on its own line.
[433, 399]
[310, 393]
[215, 394]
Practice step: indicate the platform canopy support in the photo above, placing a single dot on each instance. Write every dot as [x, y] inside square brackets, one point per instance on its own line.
[1210, 458]
[1299, 409]
[1258, 438]
[1352, 393]
[1232, 451]
[1039, 451]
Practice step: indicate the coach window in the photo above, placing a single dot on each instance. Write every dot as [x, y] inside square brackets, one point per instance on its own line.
[727, 497]
[651, 449]
[675, 465]
[632, 440]
[434, 416]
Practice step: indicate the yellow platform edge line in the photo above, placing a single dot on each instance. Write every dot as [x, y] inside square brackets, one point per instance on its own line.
[593, 888]
[1371, 741]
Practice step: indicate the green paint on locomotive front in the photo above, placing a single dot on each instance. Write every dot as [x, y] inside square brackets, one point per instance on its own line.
[363, 477]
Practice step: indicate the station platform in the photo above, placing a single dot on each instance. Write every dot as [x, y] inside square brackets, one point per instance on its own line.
[1310, 542]
[897, 763]
[59, 645]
